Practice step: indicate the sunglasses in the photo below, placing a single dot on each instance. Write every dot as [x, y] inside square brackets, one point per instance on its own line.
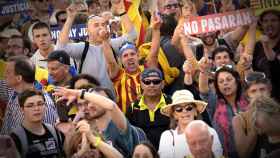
[169, 6]
[255, 76]
[180, 108]
[224, 66]
[148, 82]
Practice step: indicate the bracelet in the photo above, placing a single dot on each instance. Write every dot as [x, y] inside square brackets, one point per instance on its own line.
[82, 94]
[97, 142]
[121, 14]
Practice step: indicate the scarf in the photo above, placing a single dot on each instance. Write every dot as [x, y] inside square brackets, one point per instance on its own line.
[223, 122]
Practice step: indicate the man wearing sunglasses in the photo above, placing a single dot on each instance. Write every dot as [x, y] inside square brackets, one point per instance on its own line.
[145, 113]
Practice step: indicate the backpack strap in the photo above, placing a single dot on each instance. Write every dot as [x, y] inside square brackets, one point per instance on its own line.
[115, 55]
[51, 129]
[75, 64]
[20, 133]
[173, 139]
[56, 136]
[85, 51]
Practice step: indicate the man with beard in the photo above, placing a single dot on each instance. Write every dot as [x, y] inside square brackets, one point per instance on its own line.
[266, 57]
[145, 113]
[104, 116]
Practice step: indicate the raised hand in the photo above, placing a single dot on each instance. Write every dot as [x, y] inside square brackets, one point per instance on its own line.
[75, 8]
[83, 126]
[187, 67]
[85, 146]
[264, 40]
[204, 65]
[66, 94]
[156, 21]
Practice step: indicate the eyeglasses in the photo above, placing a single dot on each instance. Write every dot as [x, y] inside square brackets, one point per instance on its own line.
[224, 66]
[148, 82]
[254, 76]
[169, 6]
[33, 105]
[180, 109]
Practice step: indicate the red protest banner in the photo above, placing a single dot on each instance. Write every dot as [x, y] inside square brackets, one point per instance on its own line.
[215, 22]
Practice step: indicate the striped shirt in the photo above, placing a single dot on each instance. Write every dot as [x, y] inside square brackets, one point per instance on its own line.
[127, 88]
[13, 116]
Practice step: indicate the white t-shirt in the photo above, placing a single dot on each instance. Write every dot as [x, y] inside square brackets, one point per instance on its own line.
[176, 146]
[37, 60]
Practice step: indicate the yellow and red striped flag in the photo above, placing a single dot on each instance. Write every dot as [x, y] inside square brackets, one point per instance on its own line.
[139, 20]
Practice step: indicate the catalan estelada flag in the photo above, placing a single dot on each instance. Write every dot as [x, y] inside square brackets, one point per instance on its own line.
[138, 19]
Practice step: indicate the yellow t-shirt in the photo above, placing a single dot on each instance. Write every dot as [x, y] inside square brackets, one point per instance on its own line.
[245, 40]
[2, 68]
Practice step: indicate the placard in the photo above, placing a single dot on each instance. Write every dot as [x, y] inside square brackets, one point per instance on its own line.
[215, 22]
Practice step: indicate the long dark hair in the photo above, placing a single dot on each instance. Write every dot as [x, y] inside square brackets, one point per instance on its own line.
[235, 74]
[150, 147]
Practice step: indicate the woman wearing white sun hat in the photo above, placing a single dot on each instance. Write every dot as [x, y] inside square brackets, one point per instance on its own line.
[182, 111]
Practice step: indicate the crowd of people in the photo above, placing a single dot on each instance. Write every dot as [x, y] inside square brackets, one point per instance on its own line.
[137, 85]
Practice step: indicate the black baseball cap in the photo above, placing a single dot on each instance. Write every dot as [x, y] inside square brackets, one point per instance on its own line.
[59, 55]
[151, 72]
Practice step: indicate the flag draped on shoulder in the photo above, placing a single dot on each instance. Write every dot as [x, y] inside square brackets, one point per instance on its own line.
[170, 73]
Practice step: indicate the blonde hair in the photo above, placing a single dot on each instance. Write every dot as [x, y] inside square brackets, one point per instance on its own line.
[266, 105]
[71, 145]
